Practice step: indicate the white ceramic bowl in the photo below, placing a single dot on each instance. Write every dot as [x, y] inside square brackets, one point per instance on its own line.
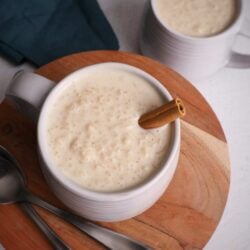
[100, 206]
[193, 57]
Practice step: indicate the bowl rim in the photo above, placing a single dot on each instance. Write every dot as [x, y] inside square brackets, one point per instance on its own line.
[75, 188]
[236, 23]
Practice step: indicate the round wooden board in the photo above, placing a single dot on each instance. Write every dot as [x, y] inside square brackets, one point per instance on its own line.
[186, 215]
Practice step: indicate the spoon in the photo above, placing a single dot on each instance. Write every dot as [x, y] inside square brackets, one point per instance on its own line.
[19, 193]
[8, 186]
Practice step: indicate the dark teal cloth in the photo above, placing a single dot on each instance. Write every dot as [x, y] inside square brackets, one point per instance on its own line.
[42, 30]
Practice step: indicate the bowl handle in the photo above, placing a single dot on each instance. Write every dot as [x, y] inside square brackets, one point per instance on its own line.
[238, 60]
[28, 91]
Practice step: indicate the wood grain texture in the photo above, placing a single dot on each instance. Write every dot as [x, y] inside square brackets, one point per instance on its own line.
[186, 215]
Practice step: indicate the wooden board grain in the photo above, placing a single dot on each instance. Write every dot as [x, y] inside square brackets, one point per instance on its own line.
[186, 215]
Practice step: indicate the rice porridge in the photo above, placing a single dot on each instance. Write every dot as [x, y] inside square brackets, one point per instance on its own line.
[93, 134]
[198, 18]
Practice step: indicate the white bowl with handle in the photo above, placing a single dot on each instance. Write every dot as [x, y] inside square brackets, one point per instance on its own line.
[37, 93]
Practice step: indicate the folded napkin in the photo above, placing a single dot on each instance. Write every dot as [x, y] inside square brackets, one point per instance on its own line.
[43, 30]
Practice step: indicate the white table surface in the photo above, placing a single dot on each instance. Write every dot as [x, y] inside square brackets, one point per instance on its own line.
[228, 94]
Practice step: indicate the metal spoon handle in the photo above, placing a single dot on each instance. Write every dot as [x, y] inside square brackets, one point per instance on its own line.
[105, 236]
[51, 235]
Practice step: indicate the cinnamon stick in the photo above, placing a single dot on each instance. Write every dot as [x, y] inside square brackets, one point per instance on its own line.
[163, 115]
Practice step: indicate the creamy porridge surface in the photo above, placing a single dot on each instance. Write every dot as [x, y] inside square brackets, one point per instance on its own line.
[93, 133]
[198, 18]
